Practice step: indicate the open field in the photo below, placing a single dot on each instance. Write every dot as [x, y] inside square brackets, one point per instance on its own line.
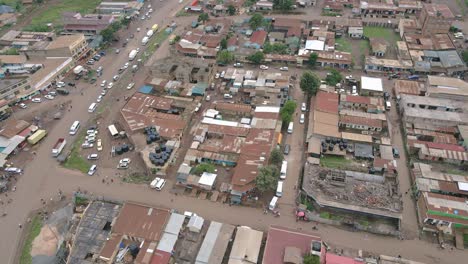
[53, 14]
[379, 32]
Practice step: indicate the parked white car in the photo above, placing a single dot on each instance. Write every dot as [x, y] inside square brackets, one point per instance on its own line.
[92, 170]
[50, 97]
[99, 99]
[284, 69]
[263, 67]
[36, 100]
[109, 86]
[103, 83]
[23, 106]
[130, 86]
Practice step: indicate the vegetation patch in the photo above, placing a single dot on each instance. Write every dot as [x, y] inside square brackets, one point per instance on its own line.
[34, 231]
[325, 215]
[138, 178]
[75, 161]
[379, 32]
[53, 13]
[343, 44]
[334, 162]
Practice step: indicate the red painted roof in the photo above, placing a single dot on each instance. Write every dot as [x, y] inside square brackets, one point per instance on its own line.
[445, 146]
[326, 102]
[259, 37]
[280, 237]
[357, 99]
[160, 257]
[335, 259]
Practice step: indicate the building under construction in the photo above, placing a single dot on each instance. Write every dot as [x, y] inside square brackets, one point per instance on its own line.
[352, 193]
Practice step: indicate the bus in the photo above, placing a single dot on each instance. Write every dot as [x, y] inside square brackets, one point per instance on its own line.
[74, 127]
[92, 107]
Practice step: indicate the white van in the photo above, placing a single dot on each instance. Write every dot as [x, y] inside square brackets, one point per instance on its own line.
[284, 170]
[290, 127]
[279, 189]
[388, 105]
[160, 184]
[273, 202]
[92, 107]
[154, 182]
[302, 119]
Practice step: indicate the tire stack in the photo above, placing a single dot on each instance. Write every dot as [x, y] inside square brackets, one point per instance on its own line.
[121, 149]
[161, 155]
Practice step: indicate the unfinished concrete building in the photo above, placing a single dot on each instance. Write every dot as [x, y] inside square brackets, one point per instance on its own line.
[183, 69]
[352, 193]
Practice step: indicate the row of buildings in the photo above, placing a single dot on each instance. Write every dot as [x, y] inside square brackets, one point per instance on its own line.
[135, 233]
[434, 117]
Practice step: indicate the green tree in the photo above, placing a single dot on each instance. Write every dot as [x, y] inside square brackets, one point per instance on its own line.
[333, 77]
[311, 259]
[256, 21]
[231, 10]
[283, 5]
[203, 167]
[276, 157]
[225, 57]
[310, 83]
[177, 39]
[223, 43]
[267, 178]
[313, 60]
[116, 26]
[287, 112]
[256, 58]
[107, 34]
[465, 56]
[203, 17]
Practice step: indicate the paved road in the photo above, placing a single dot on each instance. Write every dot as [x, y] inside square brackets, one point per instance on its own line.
[43, 177]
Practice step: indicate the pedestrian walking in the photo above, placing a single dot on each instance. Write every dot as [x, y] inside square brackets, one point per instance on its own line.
[20, 226]
[112, 180]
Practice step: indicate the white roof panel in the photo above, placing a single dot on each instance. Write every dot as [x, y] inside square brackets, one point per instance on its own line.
[463, 186]
[174, 224]
[315, 45]
[207, 179]
[371, 84]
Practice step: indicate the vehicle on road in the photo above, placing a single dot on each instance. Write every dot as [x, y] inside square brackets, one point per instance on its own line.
[92, 107]
[130, 86]
[223, 73]
[117, 51]
[60, 84]
[302, 119]
[13, 170]
[99, 145]
[208, 98]
[63, 91]
[103, 92]
[103, 83]
[303, 107]
[93, 156]
[238, 65]
[99, 69]
[144, 41]
[290, 127]
[58, 147]
[23, 106]
[116, 77]
[37, 136]
[227, 96]
[284, 69]
[99, 99]
[197, 108]
[74, 128]
[158, 183]
[48, 96]
[126, 65]
[109, 86]
[287, 148]
[138, 29]
[86, 145]
[36, 100]
[92, 170]
[124, 163]
[284, 169]
[263, 67]
[132, 55]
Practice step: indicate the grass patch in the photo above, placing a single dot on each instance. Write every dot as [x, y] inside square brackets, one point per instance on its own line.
[334, 162]
[325, 215]
[182, 13]
[137, 178]
[75, 161]
[35, 229]
[380, 32]
[81, 201]
[154, 44]
[364, 223]
[53, 14]
[343, 45]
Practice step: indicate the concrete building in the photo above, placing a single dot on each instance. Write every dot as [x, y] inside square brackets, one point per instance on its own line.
[446, 87]
[119, 8]
[435, 18]
[89, 24]
[379, 46]
[246, 246]
[19, 39]
[11, 87]
[71, 46]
